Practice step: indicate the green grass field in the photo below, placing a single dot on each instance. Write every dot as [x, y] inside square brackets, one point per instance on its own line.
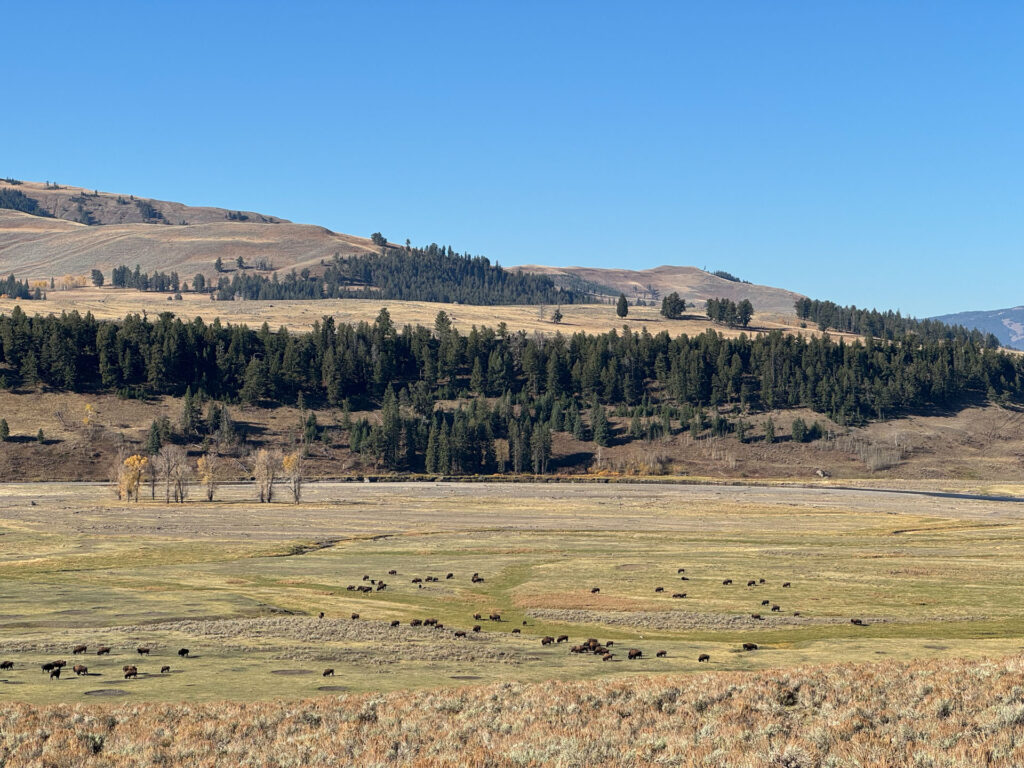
[240, 584]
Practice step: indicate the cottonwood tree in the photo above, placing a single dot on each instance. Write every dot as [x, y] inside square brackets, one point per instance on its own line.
[207, 467]
[294, 469]
[265, 466]
[129, 476]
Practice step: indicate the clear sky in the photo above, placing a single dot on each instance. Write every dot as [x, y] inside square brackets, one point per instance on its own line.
[864, 152]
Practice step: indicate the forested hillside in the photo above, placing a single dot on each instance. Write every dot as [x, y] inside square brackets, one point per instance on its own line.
[532, 385]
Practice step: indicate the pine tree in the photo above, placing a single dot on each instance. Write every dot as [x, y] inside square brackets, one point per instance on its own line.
[430, 459]
[5, 431]
[599, 424]
[254, 385]
[153, 439]
[622, 306]
[540, 448]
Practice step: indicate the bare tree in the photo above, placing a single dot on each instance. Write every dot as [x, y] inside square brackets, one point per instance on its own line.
[207, 466]
[293, 467]
[265, 466]
[172, 464]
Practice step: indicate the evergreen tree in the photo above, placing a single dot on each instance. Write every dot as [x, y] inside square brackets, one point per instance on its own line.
[599, 424]
[540, 448]
[5, 431]
[622, 306]
[97, 278]
[672, 306]
[154, 441]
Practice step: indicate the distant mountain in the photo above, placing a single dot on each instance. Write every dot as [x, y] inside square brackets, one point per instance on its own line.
[652, 284]
[1007, 325]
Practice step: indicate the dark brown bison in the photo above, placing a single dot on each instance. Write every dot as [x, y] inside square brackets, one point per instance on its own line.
[392, 572]
[607, 656]
[365, 590]
[610, 643]
[416, 622]
[429, 622]
[6, 665]
[681, 570]
[684, 578]
[183, 652]
[703, 657]
[102, 650]
[366, 577]
[79, 649]
[727, 582]
[47, 666]
[661, 654]
[80, 669]
[776, 608]
[796, 613]
[635, 653]
[165, 669]
[395, 623]
[659, 589]
[131, 672]
[439, 625]
[477, 616]
[766, 602]
[354, 616]
[450, 576]
[579, 649]
[417, 581]
[858, 622]
[351, 587]
[460, 633]
[751, 583]
[760, 581]
[60, 663]
[517, 631]
[321, 615]
[328, 672]
[595, 590]
[476, 627]
[547, 640]
[785, 585]
[55, 673]
[756, 616]
[750, 646]
[381, 586]
[495, 617]
[562, 639]
[678, 595]
[142, 650]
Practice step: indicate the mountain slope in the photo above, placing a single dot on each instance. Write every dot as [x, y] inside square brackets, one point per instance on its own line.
[1007, 325]
[691, 283]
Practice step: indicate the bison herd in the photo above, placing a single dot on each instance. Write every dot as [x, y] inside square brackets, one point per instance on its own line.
[54, 668]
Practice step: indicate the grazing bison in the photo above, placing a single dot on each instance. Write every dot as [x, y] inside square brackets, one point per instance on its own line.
[661, 654]
[858, 622]
[751, 583]
[517, 631]
[776, 608]
[103, 650]
[476, 627]
[365, 590]
[165, 669]
[727, 582]
[416, 623]
[703, 657]
[395, 623]
[750, 646]
[80, 669]
[417, 580]
[321, 615]
[495, 617]
[439, 626]
[562, 639]
[6, 665]
[143, 650]
[684, 578]
[766, 602]
[47, 666]
[450, 576]
[760, 581]
[679, 595]
[756, 616]
[55, 673]
[607, 657]
[460, 633]
[366, 577]
[659, 589]
[429, 622]
[328, 672]
[392, 572]
[131, 672]
[477, 616]
[354, 616]
[796, 613]
[79, 649]
[785, 585]
[681, 570]
[351, 588]
[381, 586]
[183, 652]
[595, 590]
[547, 640]
[635, 653]
[60, 663]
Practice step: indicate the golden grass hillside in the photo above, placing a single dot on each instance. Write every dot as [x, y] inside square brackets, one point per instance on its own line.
[949, 714]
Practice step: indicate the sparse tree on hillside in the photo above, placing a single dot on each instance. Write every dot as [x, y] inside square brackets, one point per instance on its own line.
[5, 431]
[672, 306]
[378, 239]
[218, 265]
[40, 438]
[240, 262]
[622, 306]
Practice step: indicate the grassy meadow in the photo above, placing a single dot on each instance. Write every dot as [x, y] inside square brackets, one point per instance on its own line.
[241, 585]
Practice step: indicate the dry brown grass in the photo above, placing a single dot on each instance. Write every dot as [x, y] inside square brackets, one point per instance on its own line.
[950, 714]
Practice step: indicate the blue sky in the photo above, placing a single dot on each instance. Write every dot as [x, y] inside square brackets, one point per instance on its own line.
[865, 152]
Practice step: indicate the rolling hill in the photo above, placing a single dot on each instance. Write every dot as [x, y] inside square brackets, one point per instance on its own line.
[1007, 325]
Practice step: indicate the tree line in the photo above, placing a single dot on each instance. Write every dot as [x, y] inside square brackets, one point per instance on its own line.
[883, 325]
[13, 288]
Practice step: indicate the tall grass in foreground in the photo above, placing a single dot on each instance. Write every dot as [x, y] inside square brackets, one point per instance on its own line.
[926, 714]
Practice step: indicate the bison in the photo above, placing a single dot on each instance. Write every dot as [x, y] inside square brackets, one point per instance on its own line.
[477, 616]
[55, 673]
[659, 589]
[79, 649]
[703, 657]
[756, 616]
[562, 639]
[858, 622]
[392, 572]
[450, 576]
[635, 653]
[684, 578]
[760, 581]
[495, 617]
[750, 646]
[417, 581]
[6, 665]
[785, 585]
[328, 672]
[321, 615]
[165, 669]
[460, 633]
[776, 608]
[102, 650]
[143, 650]
[416, 622]
[131, 672]
[183, 652]
[476, 627]
[681, 570]
[751, 583]
[80, 669]
[661, 654]
[517, 631]
[727, 582]
[678, 595]
[766, 602]
[395, 623]
[354, 616]
[47, 666]
[595, 590]
[607, 656]
[547, 640]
